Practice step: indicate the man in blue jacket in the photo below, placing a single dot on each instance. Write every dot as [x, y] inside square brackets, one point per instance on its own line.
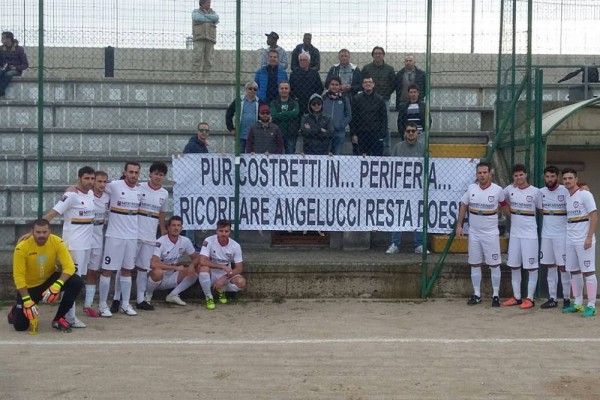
[337, 106]
[269, 77]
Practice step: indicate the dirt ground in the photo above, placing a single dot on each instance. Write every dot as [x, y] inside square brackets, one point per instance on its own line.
[309, 349]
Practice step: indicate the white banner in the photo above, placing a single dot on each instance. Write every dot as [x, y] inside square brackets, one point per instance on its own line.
[340, 193]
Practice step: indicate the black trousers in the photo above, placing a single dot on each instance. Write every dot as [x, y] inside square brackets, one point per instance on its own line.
[70, 290]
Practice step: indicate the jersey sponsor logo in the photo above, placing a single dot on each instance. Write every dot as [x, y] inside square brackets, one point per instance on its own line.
[587, 263]
[561, 198]
[494, 256]
[205, 243]
[158, 244]
[576, 204]
[530, 198]
[491, 198]
[65, 197]
[531, 261]
[81, 212]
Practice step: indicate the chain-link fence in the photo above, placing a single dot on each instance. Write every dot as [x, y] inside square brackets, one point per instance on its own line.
[125, 80]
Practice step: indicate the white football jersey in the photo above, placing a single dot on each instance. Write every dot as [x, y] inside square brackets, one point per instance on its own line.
[124, 205]
[169, 253]
[523, 206]
[554, 208]
[579, 206]
[153, 202]
[78, 211]
[101, 206]
[229, 254]
[483, 208]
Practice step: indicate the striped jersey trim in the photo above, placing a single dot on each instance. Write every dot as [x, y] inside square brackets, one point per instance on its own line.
[560, 213]
[81, 221]
[149, 214]
[524, 213]
[123, 211]
[578, 219]
[481, 212]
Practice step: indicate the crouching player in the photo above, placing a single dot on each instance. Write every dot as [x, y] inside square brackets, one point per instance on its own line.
[221, 265]
[166, 271]
[38, 279]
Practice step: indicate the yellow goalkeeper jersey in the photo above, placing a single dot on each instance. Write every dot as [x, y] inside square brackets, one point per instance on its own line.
[33, 264]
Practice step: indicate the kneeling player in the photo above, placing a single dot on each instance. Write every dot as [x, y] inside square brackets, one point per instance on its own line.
[166, 272]
[217, 256]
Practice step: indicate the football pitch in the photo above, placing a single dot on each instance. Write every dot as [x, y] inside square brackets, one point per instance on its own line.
[309, 349]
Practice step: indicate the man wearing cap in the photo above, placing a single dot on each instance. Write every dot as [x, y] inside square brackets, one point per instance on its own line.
[272, 39]
[264, 136]
[269, 77]
[307, 47]
[204, 28]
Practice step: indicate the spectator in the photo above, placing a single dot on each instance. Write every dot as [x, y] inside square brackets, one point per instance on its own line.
[305, 82]
[13, 60]
[316, 128]
[264, 136]
[369, 120]
[197, 143]
[269, 77]
[249, 110]
[408, 75]
[204, 28]
[349, 73]
[383, 78]
[413, 111]
[412, 146]
[337, 106]
[272, 39]
[285, 111]
[307, 47]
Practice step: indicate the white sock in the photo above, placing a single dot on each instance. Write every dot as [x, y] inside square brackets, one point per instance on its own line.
[476, 280]
[117, 294]
[515, 278]
[230, 287]
[591, 284]
[140, 282]
[204, 280]
[90, 292]
[532, 283]
[577, 286]
[151, 286]
[495, 272]
[565, 278]
[103, 288]
[552, 282]
[125, 290]
[183, 285]
[70, 315]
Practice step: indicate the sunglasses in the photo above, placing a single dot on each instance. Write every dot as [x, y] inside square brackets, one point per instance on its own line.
[203, 130]
[252, 89]
[316, 104]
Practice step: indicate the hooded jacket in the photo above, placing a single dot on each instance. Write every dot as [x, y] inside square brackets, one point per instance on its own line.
[317, 130]
[14, 56]
[337, 106]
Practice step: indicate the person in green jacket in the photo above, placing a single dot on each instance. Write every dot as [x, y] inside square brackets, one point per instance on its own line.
[285, 112]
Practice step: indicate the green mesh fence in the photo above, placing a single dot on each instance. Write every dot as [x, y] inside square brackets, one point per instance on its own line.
[121, 83]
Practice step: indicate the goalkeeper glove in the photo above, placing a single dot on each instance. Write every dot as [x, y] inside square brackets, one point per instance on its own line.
[53, 292]
[29, 308]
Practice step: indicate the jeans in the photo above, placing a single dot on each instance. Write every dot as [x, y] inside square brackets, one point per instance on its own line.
[337, 142]
[386, 136]
[397, 238]
[5, 77]
[289, 144]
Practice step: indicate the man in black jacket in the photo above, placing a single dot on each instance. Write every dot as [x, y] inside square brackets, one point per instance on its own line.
[197, 143]
[412, 111]
[408, 75]
[369, 121]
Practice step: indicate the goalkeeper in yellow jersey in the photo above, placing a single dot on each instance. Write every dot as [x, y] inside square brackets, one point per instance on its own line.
[38, 279]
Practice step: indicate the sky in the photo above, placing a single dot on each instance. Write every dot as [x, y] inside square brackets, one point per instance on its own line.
[559, 26]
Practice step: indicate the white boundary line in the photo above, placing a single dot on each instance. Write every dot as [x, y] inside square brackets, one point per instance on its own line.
[199, 342]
